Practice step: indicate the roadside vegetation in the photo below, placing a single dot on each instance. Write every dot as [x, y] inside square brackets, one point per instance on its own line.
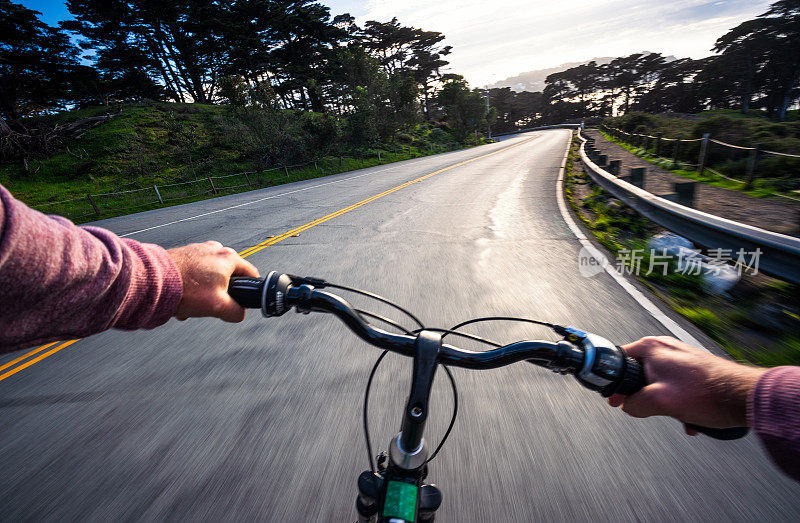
[757, 321]
[160, 143]
[725, 166]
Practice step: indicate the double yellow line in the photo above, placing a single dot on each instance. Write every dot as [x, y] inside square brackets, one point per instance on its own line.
[57, 346]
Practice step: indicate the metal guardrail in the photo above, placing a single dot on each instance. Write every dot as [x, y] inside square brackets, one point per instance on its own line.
[542, 128]
[780, 254]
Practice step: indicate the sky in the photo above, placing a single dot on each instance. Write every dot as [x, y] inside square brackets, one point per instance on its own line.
[496, 39]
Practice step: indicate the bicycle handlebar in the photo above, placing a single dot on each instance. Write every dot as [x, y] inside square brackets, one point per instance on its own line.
[597, 363]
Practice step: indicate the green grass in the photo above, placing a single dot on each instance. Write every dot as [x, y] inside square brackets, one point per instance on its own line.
[163, 143]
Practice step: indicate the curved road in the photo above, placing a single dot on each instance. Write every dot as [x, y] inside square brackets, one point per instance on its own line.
[260, 421]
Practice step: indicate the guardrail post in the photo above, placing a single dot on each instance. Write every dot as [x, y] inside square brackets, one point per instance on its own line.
[637, 176]
[94, 206]
[155, 188]
[645, 139]
[675, 153]
[614, 167]
[213, 189]
[701, 161]
[658, 144]
[340, 161]
[379, 157]
[685, 193]
[752, 165]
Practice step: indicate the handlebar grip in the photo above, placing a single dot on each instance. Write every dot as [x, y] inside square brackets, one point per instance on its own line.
[633, 380]
[247, 292]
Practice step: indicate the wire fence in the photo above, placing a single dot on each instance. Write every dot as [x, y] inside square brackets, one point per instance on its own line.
[98, 205]
[733, 162]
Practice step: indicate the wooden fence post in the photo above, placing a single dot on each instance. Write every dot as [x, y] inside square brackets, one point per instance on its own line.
[286, 170]
[248, 180]
[213, 189]
[155, 188]
[701, 161]
[675, 153]
[658, 144]
[752, 166]
[94, 206]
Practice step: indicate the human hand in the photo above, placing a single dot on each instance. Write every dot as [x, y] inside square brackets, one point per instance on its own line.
[688, 384]
[206, 269]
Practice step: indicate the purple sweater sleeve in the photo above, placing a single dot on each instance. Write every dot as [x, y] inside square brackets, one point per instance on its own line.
[60, 281]
[774, 410]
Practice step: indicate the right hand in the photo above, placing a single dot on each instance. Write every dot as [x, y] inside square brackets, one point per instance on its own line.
[689, 384]
[206, 269]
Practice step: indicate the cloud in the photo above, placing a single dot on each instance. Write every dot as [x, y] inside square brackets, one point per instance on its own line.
[499, 38]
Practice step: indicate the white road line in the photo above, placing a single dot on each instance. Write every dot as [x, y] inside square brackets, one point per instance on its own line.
[254, 201]
[670, 324]
[271, 197]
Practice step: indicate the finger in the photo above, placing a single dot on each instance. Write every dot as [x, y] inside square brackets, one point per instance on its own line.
[214, 243]
[616, 400]
[645, 403]
[227, 309]
[243, 267]
[640, 349]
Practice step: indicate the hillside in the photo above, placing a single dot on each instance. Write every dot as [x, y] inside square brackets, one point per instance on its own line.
[145, 144]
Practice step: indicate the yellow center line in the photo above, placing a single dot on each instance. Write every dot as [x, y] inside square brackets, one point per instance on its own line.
[34, 360]
[31, 353]
[272, 241]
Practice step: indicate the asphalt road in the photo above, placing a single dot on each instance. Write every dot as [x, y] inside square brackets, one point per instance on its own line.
[203, 420]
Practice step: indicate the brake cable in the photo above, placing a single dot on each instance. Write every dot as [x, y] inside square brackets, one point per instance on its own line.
[454, 331]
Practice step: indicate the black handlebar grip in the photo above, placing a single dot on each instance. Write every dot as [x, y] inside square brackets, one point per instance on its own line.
[723, 434]
[633, 379]
[247, 292]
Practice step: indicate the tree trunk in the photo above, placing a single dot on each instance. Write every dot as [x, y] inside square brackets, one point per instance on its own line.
[4, 128]
[784, 106]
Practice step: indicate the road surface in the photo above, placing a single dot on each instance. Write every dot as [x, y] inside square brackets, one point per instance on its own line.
[260, 421]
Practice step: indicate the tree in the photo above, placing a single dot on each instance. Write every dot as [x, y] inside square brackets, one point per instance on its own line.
[782, 70]
[38, 64]
[573, 89]
[402, 49]
[306, 40]
[464, 109]
[675, 88]
[761, 56]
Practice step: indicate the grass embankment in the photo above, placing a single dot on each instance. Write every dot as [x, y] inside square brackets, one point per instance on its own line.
[774, 174]
[756, 321]
[163, 143]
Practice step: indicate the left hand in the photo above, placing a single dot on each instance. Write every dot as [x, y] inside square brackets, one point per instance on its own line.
[206, 269]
